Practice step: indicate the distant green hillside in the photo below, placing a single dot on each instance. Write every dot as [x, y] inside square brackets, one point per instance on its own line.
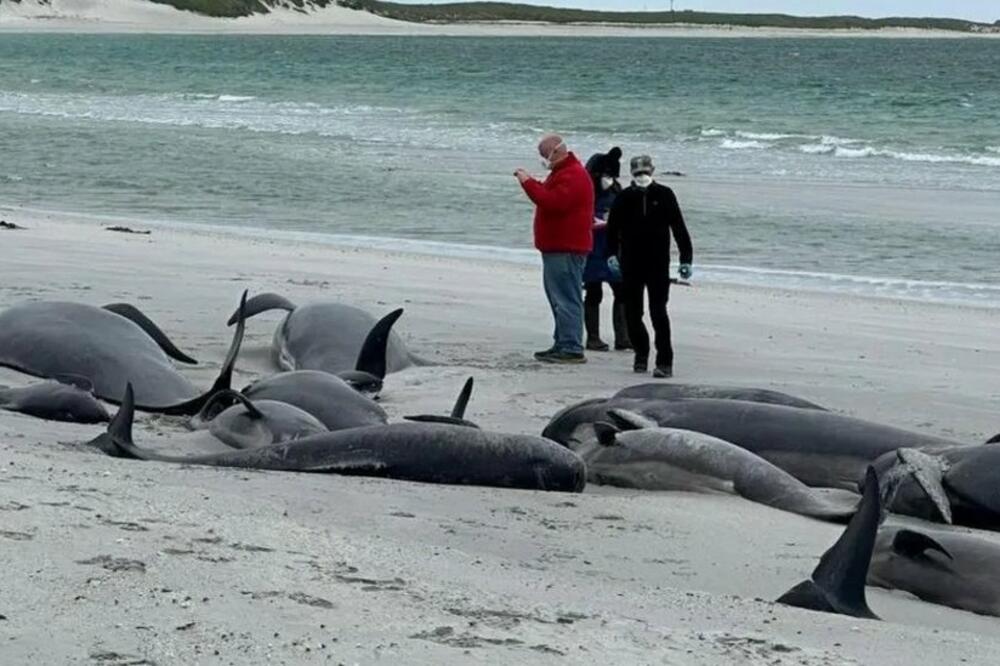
[466, 12]
[480, 12]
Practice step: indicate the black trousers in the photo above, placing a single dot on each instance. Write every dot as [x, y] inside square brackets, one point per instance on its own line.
[652, 282]
[594, 292]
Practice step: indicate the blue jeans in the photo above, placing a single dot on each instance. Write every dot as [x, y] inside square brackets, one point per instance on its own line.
[562, 274]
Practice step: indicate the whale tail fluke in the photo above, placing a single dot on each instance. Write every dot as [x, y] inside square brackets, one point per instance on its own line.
[221, 401]
[262, 303]
[837, 584]
[927, 470]
[225, 379]
[137, 317]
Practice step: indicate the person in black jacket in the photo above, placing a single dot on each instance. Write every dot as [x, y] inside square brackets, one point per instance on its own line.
[639, 227]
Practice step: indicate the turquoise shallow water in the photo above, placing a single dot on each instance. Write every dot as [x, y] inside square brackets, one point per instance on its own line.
[866, 165]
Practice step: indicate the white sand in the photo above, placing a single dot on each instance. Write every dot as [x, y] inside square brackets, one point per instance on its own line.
[148, 17]
[268, 568]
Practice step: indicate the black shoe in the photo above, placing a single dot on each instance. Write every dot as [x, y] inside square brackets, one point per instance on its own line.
[623, 346]
[540, 355]
[596, 344]
[640, 366]
[663, 372]
[564, 358]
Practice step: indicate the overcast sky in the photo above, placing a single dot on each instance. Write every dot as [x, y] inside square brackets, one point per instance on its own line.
[980, 10]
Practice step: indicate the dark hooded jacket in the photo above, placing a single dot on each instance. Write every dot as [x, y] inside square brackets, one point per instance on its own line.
[602, 164]
[639, 227]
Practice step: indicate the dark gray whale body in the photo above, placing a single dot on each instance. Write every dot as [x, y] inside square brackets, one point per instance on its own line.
[325, 336]
[327, 397]
[671, 391]
[634, 453]
[946, 568]
[55, 401]
[965, 476]
[817, 447]
[427, 452]
[253, 424]
[53, 338]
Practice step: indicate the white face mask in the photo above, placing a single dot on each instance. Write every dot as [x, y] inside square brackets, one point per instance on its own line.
[547, 161]
[643, 180]
[607, 182]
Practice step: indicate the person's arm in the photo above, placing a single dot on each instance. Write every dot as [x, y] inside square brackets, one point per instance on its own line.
[679, 229]
[614, 225]
[555, 195]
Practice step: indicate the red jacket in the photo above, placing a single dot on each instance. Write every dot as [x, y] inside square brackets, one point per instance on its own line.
[564, 210]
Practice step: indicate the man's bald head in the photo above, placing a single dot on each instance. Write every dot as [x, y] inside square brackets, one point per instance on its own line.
[553, 148]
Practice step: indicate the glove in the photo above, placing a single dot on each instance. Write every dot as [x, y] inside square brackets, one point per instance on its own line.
[614, 266]
[685, 271]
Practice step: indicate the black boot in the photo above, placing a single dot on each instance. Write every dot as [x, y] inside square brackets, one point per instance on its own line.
[621, 329]
[592, 321]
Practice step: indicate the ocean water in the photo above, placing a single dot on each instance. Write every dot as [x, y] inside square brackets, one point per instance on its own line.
[856, 165]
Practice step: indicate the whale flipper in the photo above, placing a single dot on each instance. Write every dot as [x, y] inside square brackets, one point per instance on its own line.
[137, 317]
[628, 420]
[79, 381]
[607, 433]
[837, 584]
[912, 544]
[262, 303]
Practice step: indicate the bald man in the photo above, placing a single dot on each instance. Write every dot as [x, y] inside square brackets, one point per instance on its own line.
[564, 213]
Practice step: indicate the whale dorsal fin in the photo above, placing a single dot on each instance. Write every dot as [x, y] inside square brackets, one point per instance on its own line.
[995, 439]
[262, 303]
[371, 358]
[137, 317]
[462, 402]
[913, 544]
[457, 416]
[629, 420]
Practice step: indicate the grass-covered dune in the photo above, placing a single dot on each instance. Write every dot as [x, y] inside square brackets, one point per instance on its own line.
[467, 12]
[482, 12]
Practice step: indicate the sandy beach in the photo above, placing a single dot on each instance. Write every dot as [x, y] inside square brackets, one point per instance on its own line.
[125, 16]
[126, 562]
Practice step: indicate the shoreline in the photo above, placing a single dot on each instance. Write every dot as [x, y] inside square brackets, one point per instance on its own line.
[125, 17]
[874, 288]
